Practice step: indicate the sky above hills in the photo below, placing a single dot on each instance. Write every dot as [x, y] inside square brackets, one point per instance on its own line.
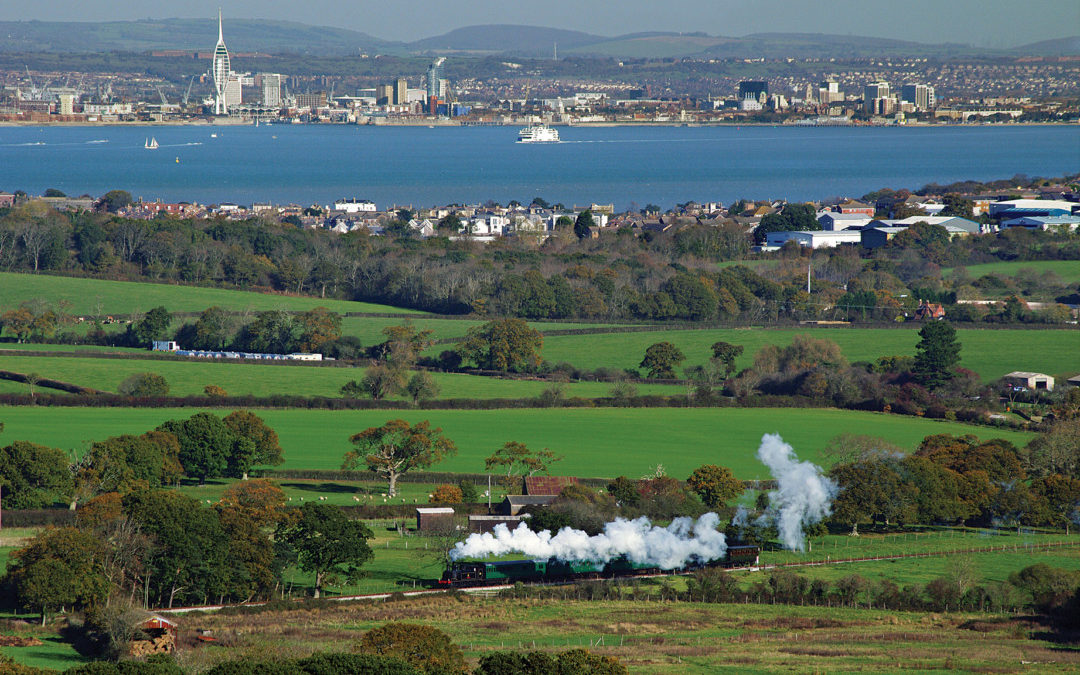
[980, 23]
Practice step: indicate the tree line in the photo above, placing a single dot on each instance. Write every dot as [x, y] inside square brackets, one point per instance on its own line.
[623, 274]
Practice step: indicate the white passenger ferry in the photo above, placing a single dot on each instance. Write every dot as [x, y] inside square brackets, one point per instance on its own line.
[538, 133]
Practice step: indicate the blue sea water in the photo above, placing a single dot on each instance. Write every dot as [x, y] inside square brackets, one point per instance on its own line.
[424, 166]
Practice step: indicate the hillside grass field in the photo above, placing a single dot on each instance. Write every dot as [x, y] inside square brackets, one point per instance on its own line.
[1067, 270]
[188, 378]
[600, 442]
[990, 353]
[664, 637]
[103, 297]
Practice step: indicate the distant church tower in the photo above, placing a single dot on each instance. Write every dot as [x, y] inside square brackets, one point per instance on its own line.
[221, 70]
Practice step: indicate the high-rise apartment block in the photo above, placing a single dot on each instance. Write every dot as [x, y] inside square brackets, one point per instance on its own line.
[873, 97]
[401, 92]
[271, 90]
[919, 95]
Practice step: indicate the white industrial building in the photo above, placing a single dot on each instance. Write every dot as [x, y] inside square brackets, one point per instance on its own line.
[823, 239]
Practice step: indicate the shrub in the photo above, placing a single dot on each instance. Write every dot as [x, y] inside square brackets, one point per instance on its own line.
[446, 494]
[144, 385]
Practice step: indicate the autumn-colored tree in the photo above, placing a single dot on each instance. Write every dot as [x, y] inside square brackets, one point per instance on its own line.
[446, 494]
[716, 485]
[403, 345]
[317, 327]
[99, 510]
[259, 501]
[516, 459]
[396, 448]
[423, 647]
[245, 509]
[214, 391]
[380, 381]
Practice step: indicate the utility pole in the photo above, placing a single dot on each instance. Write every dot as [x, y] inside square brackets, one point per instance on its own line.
[809, 261]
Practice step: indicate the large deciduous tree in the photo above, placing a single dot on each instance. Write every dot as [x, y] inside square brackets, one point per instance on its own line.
[516, 459]
[60, 567]
[206, 444]
[323, 542]
[189, 558]
[396, 448]
[506, 344]
[266, 447]
[33, 476]
[661, 359]
[726, 353]
[715, 485]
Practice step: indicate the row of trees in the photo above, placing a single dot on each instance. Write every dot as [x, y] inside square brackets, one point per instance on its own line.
[619, 275]
[160, 547]
[951, 480]
[202, 446]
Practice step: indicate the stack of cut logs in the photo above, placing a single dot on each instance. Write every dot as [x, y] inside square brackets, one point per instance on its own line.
[158, 645]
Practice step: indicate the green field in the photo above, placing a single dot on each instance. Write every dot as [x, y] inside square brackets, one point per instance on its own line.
[990, 353]
[1068, 270]
[99, 297]
[369, 329]
[188, 378]
[54, 653]
[601, 442]
[338, 492]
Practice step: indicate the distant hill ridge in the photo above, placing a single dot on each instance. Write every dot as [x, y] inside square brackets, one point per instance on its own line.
[261, 35]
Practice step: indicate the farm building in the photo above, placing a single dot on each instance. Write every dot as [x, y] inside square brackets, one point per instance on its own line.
[160, 637]
[481, 524]
[513, 504]
[1021, 378]
[547, 485]
[435, 519]
[929, 310]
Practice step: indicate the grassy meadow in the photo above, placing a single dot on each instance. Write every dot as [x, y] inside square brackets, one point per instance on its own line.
[990, 353]
[600, 442]
[101, 297]
[1067, 270]
[189, 377]
[664, 638]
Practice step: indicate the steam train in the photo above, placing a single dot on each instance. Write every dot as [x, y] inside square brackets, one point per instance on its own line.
[469, 574]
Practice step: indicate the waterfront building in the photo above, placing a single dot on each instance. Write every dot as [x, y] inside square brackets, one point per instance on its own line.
[874, 95]
[222, 72]
[434, 79]
[271, 90]
[919, 95]
[401, 91]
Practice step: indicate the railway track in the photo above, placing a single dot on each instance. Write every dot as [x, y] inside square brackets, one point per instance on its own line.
[496, 588]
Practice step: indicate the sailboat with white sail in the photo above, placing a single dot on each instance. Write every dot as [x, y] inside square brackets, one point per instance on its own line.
[151, 143]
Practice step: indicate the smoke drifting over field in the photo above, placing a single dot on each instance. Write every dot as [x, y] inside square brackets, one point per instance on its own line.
[803, 496]
[682, 542]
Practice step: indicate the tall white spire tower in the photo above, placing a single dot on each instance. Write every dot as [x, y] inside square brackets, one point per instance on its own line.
[221, 71]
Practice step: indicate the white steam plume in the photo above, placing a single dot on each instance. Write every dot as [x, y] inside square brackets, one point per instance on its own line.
[682, 542]
[803, 496]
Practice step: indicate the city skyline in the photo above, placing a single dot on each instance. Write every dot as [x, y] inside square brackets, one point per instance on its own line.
[985, 23]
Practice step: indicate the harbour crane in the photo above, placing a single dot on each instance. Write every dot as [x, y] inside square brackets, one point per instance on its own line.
[187, 94]
[162, 95]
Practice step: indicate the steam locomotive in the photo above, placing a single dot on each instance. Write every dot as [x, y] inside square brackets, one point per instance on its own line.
[469, 574]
